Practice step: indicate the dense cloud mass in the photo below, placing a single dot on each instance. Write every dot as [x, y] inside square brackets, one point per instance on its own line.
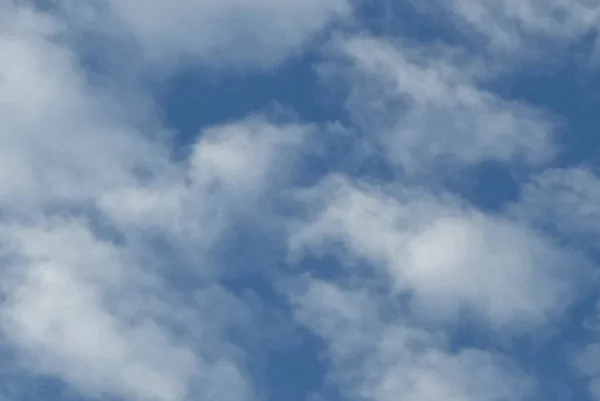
[385, 201]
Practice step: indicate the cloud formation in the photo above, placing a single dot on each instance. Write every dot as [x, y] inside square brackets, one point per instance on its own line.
[443, 253]
[510, 28]
[425, 107]
[121, 249]
[234, 34]
[390, 360]
[88, 305]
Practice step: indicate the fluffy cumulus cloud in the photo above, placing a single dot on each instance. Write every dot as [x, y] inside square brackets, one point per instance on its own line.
[227, 169]
[445, 254]
[78, 302]
[57, 308]
[266, 256]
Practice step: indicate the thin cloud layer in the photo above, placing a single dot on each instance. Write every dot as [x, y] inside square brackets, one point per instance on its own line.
[565, 200]
[395, 360]
[510, 28]
[424, 107]
[235, 34]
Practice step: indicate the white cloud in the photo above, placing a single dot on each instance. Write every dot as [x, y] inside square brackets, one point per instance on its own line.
[517, 29]
[389, 360]
[98, 313]
[425, 107]
[233, 33]
[240, 155]
[447, 256]
[64, 140]
[59, 140]
[56, 310]
[587, 363]
[228, 168]
[88, 309]
[566, 200]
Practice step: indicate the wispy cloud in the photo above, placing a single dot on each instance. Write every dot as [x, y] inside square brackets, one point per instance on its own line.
[425, 107]
[519, 30]
[565, 200]
[232, 33]
[390, 359]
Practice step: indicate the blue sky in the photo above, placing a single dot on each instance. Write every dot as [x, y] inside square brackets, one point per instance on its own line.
[282, 200]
